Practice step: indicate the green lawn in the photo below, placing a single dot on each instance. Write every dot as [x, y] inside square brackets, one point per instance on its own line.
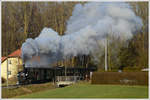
[92, 91]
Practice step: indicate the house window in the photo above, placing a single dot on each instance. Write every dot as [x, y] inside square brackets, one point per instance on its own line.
[9, 72]
[9, 61]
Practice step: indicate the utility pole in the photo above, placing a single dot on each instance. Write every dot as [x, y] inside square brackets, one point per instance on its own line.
[106, 53]
[106, 67]
[65, 66]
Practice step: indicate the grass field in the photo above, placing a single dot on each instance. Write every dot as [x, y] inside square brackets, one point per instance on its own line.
[92, 91]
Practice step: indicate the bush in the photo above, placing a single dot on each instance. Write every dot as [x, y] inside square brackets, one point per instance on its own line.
[3, 80]
[125, 78]
[129, 69]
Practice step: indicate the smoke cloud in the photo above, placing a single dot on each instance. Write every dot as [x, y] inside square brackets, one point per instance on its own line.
[86, 31]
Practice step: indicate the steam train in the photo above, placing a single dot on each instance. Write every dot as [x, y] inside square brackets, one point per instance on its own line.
[31, 75]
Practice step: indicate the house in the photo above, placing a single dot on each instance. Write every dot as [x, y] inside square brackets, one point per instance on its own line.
[14, 64]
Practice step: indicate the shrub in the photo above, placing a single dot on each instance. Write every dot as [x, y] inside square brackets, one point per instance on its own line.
[129, 69]
[3, 80]
[126, 78]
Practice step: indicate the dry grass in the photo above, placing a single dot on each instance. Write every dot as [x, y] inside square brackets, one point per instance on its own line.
[26, 89]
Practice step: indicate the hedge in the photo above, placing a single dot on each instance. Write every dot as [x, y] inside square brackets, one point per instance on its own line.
[125, 78]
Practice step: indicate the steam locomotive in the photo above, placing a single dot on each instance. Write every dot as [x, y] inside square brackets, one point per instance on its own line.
[39, 75]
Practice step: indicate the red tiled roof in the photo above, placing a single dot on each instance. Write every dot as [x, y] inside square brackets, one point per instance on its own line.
[3, 58]
[16, 53]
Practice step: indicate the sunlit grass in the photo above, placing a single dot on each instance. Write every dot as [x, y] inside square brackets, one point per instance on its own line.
[93, 91]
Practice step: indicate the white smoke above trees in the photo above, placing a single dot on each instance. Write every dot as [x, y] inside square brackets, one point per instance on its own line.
[86, 31]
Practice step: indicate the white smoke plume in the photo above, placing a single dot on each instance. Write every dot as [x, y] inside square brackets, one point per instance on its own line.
[87, 29]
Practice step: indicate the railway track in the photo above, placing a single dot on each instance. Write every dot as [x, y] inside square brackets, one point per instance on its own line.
[11, 86]
[14, 86]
